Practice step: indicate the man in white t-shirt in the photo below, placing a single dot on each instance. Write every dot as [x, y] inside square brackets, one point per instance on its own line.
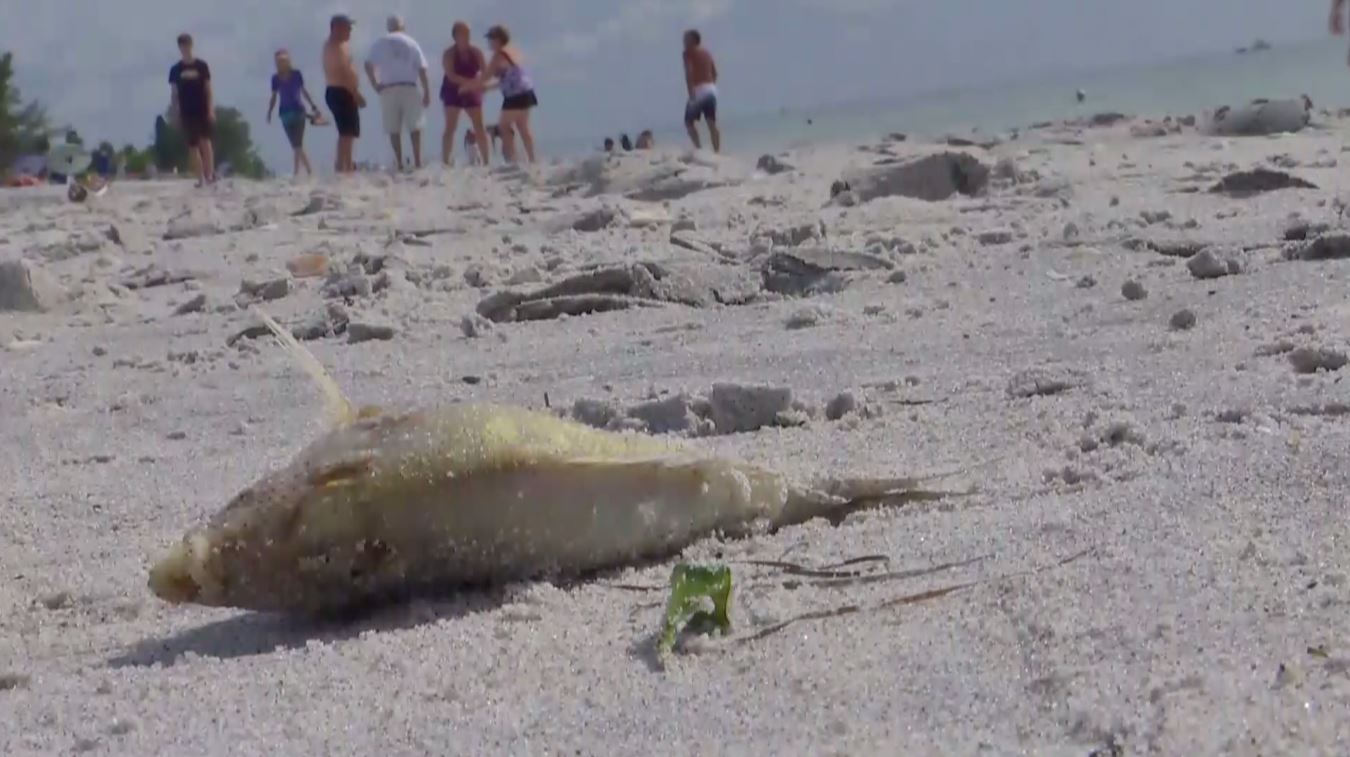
[395, 67]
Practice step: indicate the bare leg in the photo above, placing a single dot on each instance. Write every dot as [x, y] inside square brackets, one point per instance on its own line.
[505, 124]
[304, 161]
[480, 133]
[208, 160]
[448, 138]
[692, 128]
[526, 136]
[715, 135]
[416, 138]
[397, 141]
[295, 161]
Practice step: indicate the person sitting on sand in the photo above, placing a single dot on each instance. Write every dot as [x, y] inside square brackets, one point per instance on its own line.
[288, 86]
[463, 63]
[645, 140]
[609, 144]
[700, 78]
[506, 71]
[625, 143]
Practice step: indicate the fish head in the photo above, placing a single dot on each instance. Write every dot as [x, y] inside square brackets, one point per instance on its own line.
[297, 539]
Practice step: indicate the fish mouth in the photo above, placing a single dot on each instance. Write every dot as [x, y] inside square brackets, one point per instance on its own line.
[180, 577]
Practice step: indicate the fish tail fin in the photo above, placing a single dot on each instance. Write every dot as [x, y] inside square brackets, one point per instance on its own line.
[836, 499]
[338, 410]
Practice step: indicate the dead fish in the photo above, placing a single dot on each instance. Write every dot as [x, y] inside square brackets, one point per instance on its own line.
[386, 504]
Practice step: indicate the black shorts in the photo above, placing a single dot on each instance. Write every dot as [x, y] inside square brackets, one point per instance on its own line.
[704, 107]
[522, 101]
[294, 125]
[346, 114]
[196, 127]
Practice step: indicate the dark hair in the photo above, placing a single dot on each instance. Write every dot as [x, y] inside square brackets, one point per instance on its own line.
[457, 27]
[499, 33]
[694, 36]
[184, 39]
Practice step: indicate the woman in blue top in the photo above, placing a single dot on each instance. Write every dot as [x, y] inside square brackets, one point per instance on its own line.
[507, 72]
[288, 85]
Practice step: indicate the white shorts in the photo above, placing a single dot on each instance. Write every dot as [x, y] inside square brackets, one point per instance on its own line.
[401, 107]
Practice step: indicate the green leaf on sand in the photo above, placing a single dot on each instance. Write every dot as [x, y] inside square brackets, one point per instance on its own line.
[700, 600]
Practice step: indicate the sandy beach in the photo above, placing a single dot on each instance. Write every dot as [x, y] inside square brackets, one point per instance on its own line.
[1140, 376]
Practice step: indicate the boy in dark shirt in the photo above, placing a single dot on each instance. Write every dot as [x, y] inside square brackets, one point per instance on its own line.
[194, 103]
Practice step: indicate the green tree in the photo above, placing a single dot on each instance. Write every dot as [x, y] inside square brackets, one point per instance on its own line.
[21, 126]
[73, 138]
[233, 144]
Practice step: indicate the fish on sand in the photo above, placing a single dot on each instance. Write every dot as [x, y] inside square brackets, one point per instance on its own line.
[385, 504]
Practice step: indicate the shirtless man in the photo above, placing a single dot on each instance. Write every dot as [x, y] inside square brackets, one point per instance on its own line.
[344, 90]
[700, 77]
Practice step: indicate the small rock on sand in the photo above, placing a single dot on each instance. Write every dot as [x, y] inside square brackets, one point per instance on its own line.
[996, 237]
[771, 165]
[1133, 290]
[673, 415]
[27, 288]
[840, 406]
[194, 305]
[1207, 264]
[1313, 359]
[475, 325]
[931, 177]
[365, 332]
[308, 265]
[1246, 183]
[1182, 320]
[738, 409]
[1334, 246]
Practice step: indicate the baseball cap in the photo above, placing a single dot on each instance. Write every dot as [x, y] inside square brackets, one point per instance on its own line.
[341, 18]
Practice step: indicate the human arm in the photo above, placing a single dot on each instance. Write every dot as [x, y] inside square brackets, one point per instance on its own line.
[313, 106]
[271, 105]
[689, 74]
[370, 74]
[426, 86]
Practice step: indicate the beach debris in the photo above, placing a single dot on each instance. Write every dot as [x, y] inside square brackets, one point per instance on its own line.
[794, 236]
[805, 271]
[1334, 246]
[699, 602]
[1132, 290]
[1301, 230]
[474, 325]
[1309, 360]
[772, 165]
[25, 287]
[595, 220]
[609, 288]
[931, 177]
[308, 265]
[153, 276]
[1258, 180]
[387, 502]
[1045, 382]
[842, 405]
[331, 321]
[1260, 117]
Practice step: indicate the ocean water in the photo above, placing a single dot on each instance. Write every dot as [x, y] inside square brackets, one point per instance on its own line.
[1179, 87]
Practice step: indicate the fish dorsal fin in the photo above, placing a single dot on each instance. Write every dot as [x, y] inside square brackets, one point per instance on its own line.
[338, 410]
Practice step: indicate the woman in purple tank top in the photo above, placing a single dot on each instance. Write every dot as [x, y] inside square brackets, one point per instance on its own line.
[463, 63]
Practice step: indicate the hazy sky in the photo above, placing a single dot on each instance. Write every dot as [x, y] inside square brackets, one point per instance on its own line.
[610, 65]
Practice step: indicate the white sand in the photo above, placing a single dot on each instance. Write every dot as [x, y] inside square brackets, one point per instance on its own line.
[1208, 617]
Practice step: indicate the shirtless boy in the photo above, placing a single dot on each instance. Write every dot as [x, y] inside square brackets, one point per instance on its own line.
[343, 95]
[700, 77]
